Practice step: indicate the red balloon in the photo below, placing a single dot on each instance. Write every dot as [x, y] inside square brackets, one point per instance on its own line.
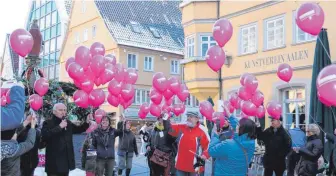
[87, 85]
[160, 82]
[310, 18]
[242, 78]
[114, 87]
[222, 31]
[174, 84]
[178, 109]
[285, 72]
[98, 115]
[21, 41]
[168, 94]
[120, 72]
[206, 109]
[3, 100]
[83, 57]
[326, 84]
[183, 94]
[111, 59]
[219, 116]
[233, 98]
[257, 98]
[97, 48]
[127, 92]
[145, 107]
[274, 109]
[131, 76]
[97, 97]
[68, 62]
[81, 98]
[155, 96]
[249, 108]
[35, 102]
[243, 94]
[215, 58]
[97, 65]
[260, 112]
[113, 100]
[75, 71]
[155, 110]
[41, 86]
[229, 106]
[108, 73]
[251, 84]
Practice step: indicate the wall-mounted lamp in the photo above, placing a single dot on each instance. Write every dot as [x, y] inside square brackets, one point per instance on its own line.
[228, 60]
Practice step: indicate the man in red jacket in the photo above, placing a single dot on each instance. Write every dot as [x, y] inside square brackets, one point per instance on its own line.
[193, 143]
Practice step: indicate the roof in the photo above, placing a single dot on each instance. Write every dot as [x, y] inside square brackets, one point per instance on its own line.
[154, 24]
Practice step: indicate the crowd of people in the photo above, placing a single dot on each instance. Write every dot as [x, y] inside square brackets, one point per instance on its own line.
[181, 149]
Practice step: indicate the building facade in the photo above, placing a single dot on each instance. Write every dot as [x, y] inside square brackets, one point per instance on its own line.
[262, 39]
[9, 62]
[145, 35]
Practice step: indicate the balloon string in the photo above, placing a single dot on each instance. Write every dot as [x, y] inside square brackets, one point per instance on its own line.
[319, 39]
[333, 113]
[315, 121]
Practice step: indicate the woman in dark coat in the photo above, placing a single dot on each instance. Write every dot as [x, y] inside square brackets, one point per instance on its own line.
[308, 164]
[332, 158]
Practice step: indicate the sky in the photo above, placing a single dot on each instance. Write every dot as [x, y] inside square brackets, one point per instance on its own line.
[13, 14]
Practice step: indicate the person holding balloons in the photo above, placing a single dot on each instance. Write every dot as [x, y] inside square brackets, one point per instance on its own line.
[277, 146]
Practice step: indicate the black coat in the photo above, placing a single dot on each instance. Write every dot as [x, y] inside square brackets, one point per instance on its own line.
[60, 157]
[160, 139]
[310, 154]
[332, 157]
[127, 143]
[105, 149]
[277, 146]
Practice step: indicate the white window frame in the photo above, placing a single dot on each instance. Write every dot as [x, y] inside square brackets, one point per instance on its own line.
[274, 20]
[135, 27]
[152, 63]
[83, 6]
[296, 30]
[143, 92]
[136, 60]
[190, 46]
[240, 40]
[77, 38]
[86, 35]
[94, 31]
[209, 42]
[177, 72]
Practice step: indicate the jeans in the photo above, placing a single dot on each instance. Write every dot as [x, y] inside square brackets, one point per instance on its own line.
[278, 171]
[104, 166]
[182, 173]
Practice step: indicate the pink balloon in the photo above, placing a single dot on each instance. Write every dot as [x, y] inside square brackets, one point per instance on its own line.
[142, 115]
[178, 109]
[126, 104]
[75, 71]
[241, 104]
[35, 102]
[183, 94]
[160, 82]
[131, 76]
[218, 116]
[323, 101]
[3, 101]
[174, 84]
[81, 98]
[98, 81]
[168, 94]
[97, 48]
[21, 42]
[97, 65]
[127, 92]
[87, 85]
[215, 58]
[251, 84]
[120, 72]
[243, 94]
[243, 115]
[222, 31]
[93, 126]
[310, 18]
[89, 74]
[68, 62]
[98, 115]
[78, 84]
[4, 91]
[166, 108]
[326, 84]
[239, 101]
[111, 59]
[274, 109]
[96, 97]
[108, 73]
[233, 99]
[206, 109]
[155, 110]
[257, 98]
[114, 87]
[169, 102]
[285, 72]
[242, 78]
[260, 112]
[155, 96]
[41, 86]
[113, 100]
[249, 108]
[145, 107]
[229, 106]
[83, 57]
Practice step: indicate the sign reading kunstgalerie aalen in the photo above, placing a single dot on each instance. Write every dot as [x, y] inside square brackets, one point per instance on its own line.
[278, 59]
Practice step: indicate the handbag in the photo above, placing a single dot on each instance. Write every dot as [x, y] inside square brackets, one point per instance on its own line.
[160, 158]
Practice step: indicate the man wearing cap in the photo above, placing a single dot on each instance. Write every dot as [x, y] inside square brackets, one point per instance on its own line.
[277, 145]
[193, 145]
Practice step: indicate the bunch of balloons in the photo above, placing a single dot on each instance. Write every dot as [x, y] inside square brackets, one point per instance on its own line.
[222, 33]
[90, 67]
[41, 87]
[162, 95]
[326, 85]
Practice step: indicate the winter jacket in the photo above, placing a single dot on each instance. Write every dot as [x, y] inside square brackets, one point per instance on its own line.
[60, 157]
[105, 147]
[310, 154]
[12, 114]
[127, 144]
[192, 140]
[332, 159]
[11, 151]
[160, 139]
[298, 137]
[232, 155]
[277, 146]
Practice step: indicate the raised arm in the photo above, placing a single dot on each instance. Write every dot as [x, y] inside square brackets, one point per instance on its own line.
[28, 144]
[217, 148]
[79, 129]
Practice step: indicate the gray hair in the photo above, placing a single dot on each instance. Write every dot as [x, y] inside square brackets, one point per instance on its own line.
[314, 129]
[56, 105]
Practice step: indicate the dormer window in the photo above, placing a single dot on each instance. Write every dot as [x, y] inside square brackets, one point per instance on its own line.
[155, 32]
[135, 27]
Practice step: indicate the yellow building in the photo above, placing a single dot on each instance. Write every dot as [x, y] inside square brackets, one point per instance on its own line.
[264, 36]
[146, 35]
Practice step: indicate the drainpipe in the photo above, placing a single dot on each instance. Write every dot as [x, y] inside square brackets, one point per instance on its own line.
[220, 80]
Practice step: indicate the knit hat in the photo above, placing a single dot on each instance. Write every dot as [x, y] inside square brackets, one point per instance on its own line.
[193, 114]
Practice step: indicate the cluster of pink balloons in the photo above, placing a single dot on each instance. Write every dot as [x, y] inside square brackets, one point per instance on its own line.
[326, 85]
[5, 98]
[21, 41]
[222, 33]
[162, 95]
[41, 87]
[90, 67]
[310, 18]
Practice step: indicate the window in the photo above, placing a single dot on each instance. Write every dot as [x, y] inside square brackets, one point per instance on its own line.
[52, 58]
[59, 29]
[47, 34]
[189, 101]
[206, 42]
[131, 61]
[192, 101]
[48, 19]
[190, 47]
[53, 31]
[59, 43]
[42, 23]
[43, 10]
[94, 28]
[299, 35]
[37, 13]
[294, 102]
[275, 32]
[57, 57]
[54, 18]
[46, 60]
[174, 67]
[85, 37]
[248, 39]
[53, 5]
[52, 45]
[155, 32]
[47, 47]
[51, 72]
[148, 64]
[56, 71]
[141, 96]
[38, 3]
[135, 27]
[49, 7]
[83, 6]
[77, 40]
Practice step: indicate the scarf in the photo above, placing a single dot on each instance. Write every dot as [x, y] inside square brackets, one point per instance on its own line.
[159, 127]
[104, 136]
